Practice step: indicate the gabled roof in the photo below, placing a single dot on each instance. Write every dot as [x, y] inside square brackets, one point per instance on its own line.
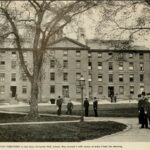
[66, 42]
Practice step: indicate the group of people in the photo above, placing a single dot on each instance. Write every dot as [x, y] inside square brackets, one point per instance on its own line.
[143, 110]
[59, 105]
[95, 106]
[70, 106]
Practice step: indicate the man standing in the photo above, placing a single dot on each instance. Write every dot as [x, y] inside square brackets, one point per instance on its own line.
[59, 105]
[143, 107]
[86, 106]
[69, 107]
[95, 104]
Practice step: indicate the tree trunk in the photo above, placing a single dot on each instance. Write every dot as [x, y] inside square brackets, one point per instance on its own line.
[33, 114]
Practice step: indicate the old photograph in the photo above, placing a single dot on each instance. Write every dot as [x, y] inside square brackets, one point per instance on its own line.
[75, 71]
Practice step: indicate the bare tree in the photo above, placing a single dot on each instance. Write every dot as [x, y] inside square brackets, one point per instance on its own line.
[124, 19]
[45, 19]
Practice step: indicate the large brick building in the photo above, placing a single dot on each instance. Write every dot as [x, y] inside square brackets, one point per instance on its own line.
[109, 67]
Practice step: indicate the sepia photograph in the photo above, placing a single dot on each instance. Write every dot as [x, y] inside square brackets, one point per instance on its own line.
[74, 71]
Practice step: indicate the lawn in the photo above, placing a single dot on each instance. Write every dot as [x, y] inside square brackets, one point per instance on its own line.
[104, 110]
[60, 132]
[6, 118]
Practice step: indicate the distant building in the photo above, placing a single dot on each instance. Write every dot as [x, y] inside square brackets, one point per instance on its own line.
[109, 67]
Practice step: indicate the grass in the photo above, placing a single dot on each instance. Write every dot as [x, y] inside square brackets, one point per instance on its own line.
[60, 132]
[104, 110]
[6, 118]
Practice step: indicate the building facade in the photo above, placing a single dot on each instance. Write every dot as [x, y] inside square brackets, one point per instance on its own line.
[109, 67]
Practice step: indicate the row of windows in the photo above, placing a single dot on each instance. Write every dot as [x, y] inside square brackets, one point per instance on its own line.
[100, 65]
[65, 90]
[121, 78]
[78, 54]
[13, 77]
[99, 54]
[13, 53]
[2, 89]
[78, 75]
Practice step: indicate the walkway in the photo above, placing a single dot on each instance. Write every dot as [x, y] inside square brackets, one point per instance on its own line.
[132, 134]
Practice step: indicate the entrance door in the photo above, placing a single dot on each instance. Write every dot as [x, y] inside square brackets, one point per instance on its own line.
[110, 91]
[13, 91]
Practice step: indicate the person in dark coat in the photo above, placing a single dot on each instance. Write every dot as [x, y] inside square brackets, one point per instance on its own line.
[143, 107]
[69, 107]
[95, 104]
[59, 104]
[139, 115]
[86, 106]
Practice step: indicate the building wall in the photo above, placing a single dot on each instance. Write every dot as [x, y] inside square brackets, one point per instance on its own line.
[72, 69]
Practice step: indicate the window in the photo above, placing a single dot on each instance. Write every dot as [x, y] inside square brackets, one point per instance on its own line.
[24, 77]
[2, 77]
[120, 65]
[110, 65]
[78, 64]
[13, 77]
[78, 89]
[141, 55]
[90, 90]
[89, 54]
[121, 90]
[65, 64]
[141, 66]
[100, 90]
[52, 89]
[2, 63]
[78, 76]
[65, 77]
[13, 64]
[65, 53]
[2, 89]
[25, 54]
[52, 63]
[24, 89]
[90, 77]
[100, 77]
[130, 55]
[131, 66]
[78, 53]
[99, 55]
[131, 89]
[110, 54]
[13, 54]
[131, 78]
[120, 77]
[100, 65]
[110, 77]
[2, 52]
[65, 91]
[52, 76]
[141, 77]
[89, 65]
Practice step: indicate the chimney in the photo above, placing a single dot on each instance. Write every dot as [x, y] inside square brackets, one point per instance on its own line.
[81, 35]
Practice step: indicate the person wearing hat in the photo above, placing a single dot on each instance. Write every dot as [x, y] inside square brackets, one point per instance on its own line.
[143, 108]
[95, 104]
[86, 106]
[69, 107]
[59, 105]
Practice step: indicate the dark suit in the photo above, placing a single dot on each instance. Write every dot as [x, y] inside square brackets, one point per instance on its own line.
[142, 108]
[95, 103]
[86, 106]
[59, 104]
